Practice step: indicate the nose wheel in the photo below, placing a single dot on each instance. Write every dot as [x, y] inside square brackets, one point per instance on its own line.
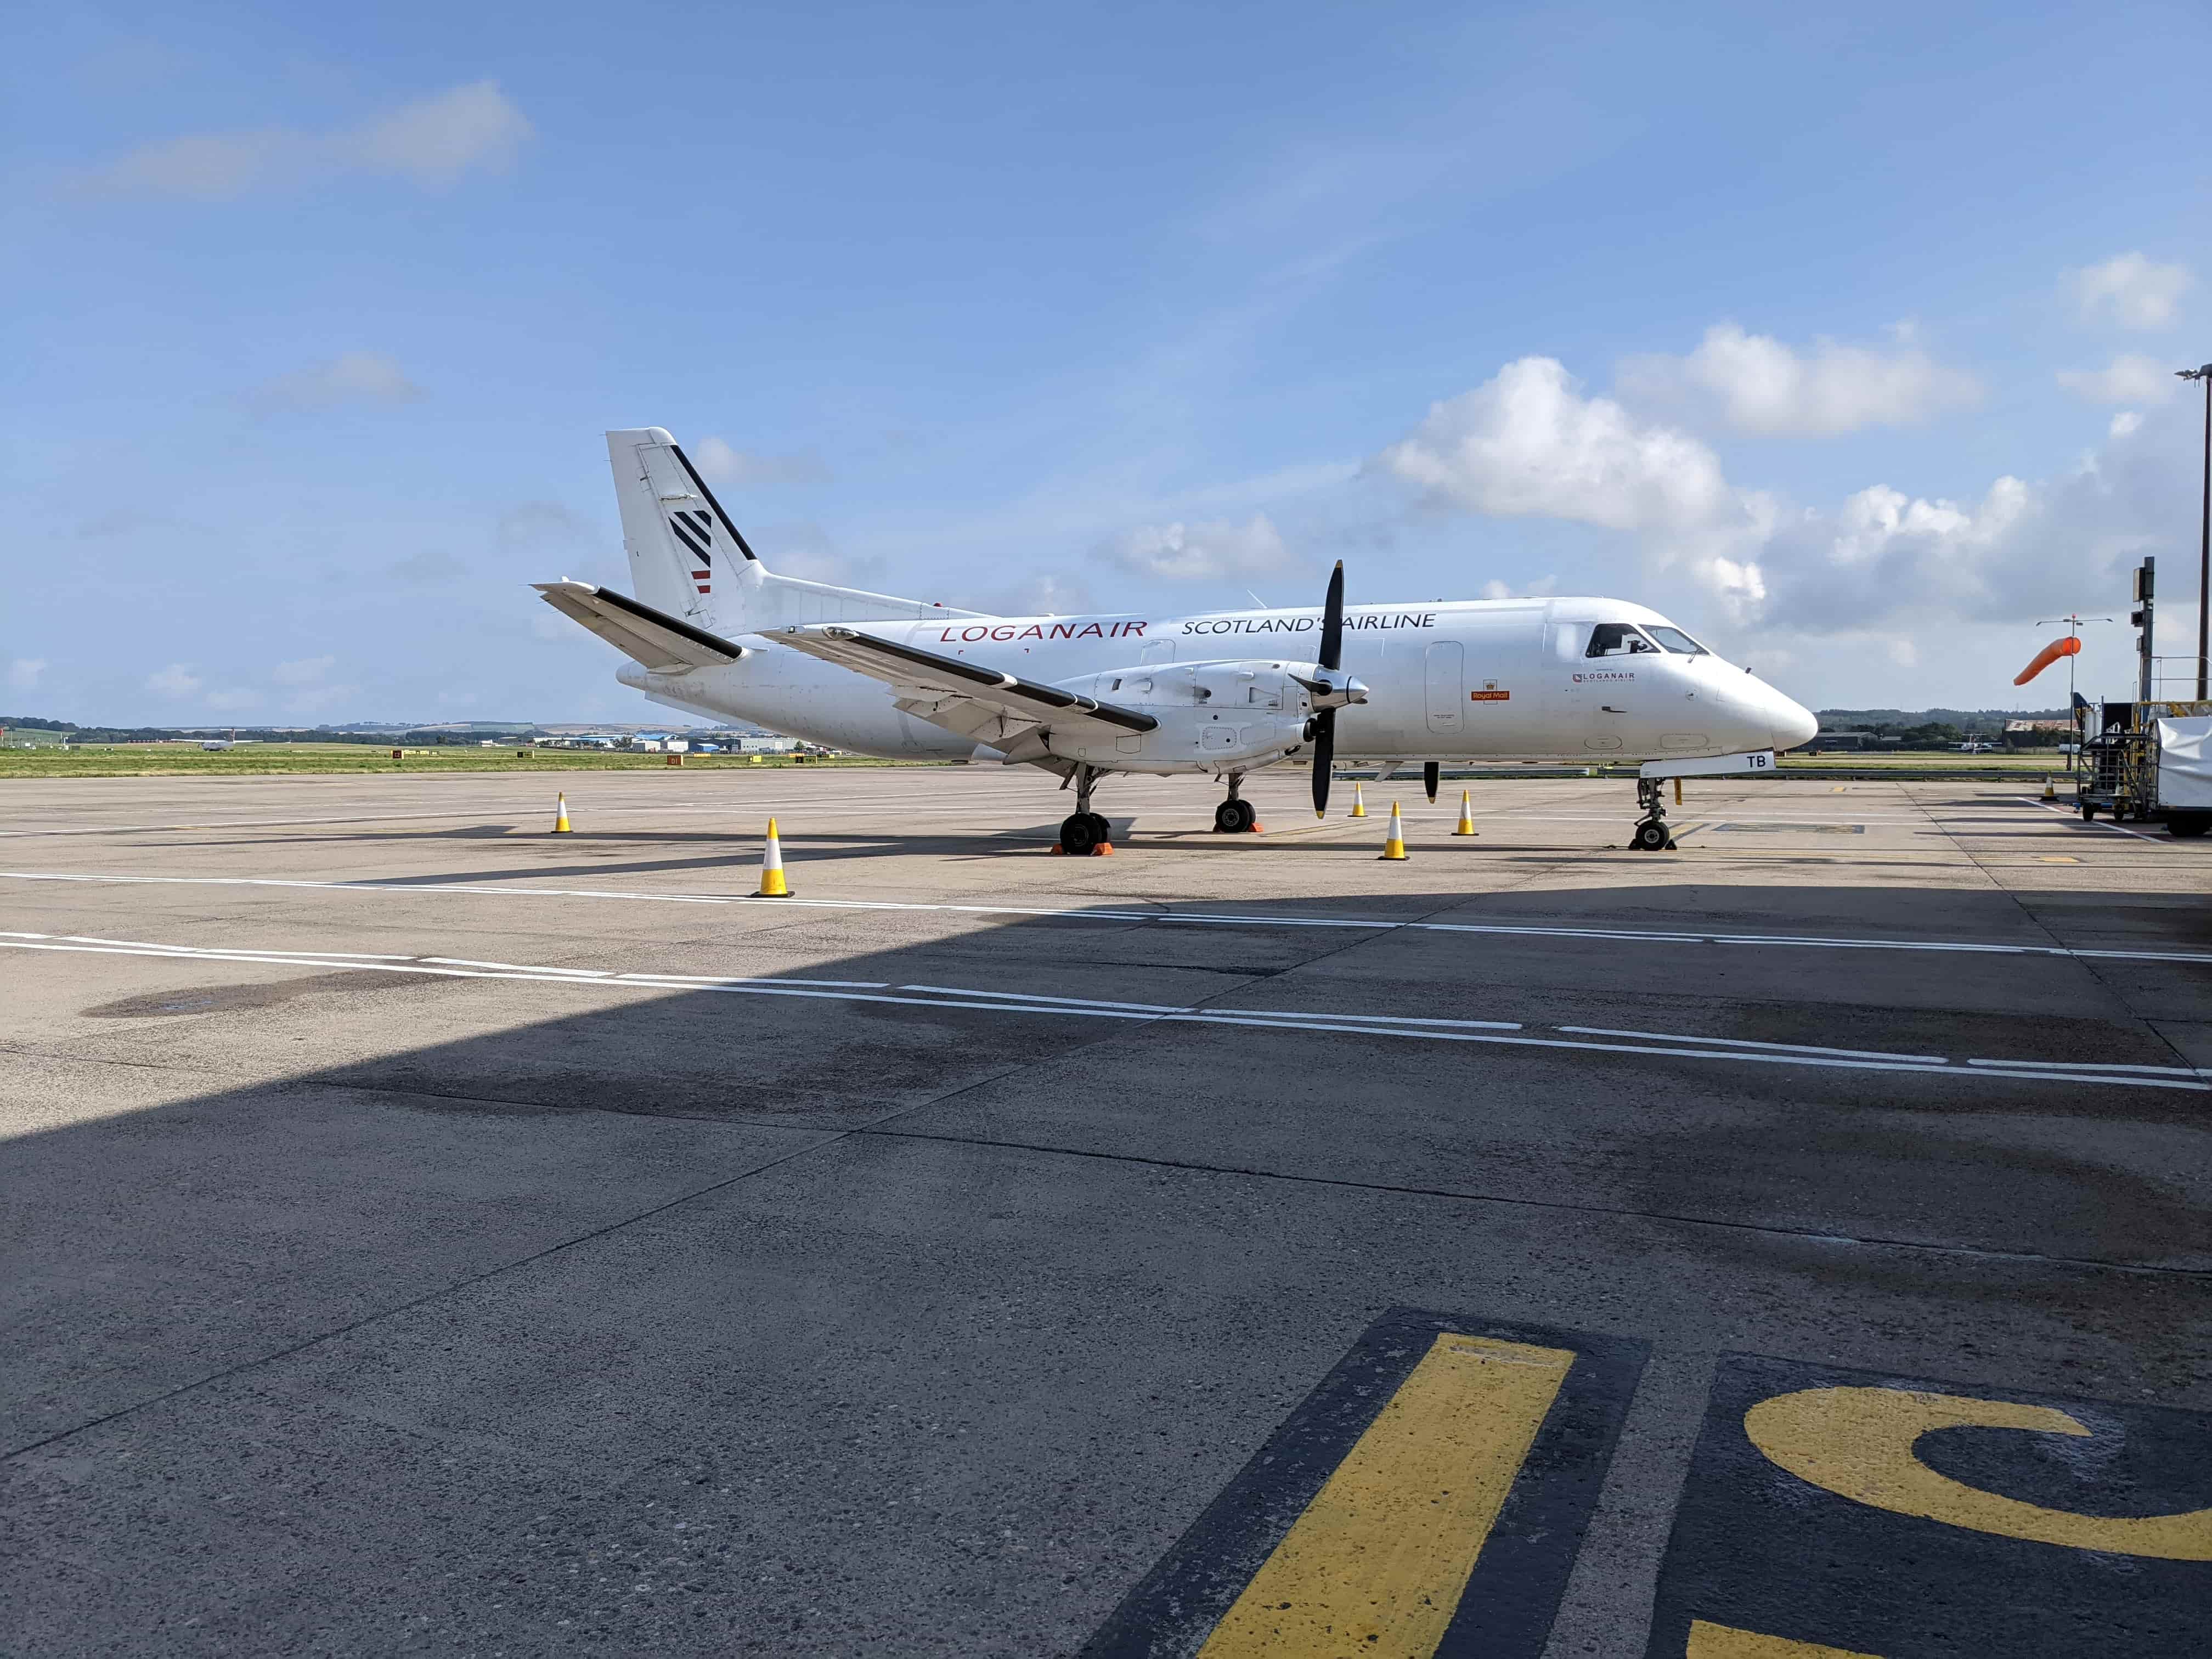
[1651, 834]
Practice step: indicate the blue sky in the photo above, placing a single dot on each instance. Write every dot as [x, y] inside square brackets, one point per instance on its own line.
[1846, 341]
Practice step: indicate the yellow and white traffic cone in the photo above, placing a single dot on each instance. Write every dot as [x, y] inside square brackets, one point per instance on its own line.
[1358, 804]
[561, 816]
[772, 867]
[2049, 792]
[1395, 847]
[1466, 815]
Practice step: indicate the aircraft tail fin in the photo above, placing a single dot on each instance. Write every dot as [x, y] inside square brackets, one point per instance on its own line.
[688, 559]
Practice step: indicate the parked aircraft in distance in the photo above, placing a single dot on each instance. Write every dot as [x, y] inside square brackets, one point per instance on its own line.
[713, 632]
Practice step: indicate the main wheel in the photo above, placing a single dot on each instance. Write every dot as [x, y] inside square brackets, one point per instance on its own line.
[1651, 836]
[1081, 833]
[1236, 818]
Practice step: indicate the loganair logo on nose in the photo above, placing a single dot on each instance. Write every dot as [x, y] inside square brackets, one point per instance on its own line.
[697, 531]
[1580, 679]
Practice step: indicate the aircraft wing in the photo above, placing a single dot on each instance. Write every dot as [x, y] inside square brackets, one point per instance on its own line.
[666, 644]
[1003, 711]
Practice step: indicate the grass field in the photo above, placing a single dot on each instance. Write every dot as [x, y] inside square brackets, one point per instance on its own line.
[150, 760]
[264, 759]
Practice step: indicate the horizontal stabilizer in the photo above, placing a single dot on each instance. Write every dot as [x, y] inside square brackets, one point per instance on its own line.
[663, 643]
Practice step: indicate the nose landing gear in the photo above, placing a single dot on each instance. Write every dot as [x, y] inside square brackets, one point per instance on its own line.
[1235, 816]
[1651, 834]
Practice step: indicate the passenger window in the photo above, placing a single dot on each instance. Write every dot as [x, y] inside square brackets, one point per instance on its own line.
[1618, 640]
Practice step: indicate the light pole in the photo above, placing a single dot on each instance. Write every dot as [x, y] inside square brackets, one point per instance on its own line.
[2205, 533]
[2073, 621]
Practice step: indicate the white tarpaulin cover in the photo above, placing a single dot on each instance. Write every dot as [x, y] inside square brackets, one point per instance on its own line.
[2185, 762]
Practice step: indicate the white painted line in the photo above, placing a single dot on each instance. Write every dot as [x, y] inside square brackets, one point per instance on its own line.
[520, 967]
[1787, 1048]
[2095, 1065]
[2092, 823]
[397, 889]
[1345, 1024]
[744, 979]
[1031, 996]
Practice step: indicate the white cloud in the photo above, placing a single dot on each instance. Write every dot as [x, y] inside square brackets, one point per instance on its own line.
[724, 465]
[1542, 588]
[2130, 378]
[352, 377]
[23, 672]
[1526, 442]
[2130, 289]
[177, 680]
[306, 672]
[433, 141]
[1201, 551]
[1765, 387]
[233, 698]
[2124, 423]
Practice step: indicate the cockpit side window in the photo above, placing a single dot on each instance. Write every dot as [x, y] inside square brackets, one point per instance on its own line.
[1674, 638]
[1618, 640]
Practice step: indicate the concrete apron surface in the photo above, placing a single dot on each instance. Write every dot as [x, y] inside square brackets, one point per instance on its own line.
[430, 1234]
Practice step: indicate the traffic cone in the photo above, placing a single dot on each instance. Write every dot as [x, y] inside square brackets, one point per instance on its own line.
[1395, 847]
[561, 816]
[1466, 815]
[1358, 804]
[772, 867]
[2049, 792]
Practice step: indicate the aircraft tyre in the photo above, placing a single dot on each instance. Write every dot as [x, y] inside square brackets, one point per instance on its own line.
[1235, 817]
[1083, 833]
[1651, 836]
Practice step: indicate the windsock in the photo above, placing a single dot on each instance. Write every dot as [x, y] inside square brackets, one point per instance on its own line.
[2068, 646]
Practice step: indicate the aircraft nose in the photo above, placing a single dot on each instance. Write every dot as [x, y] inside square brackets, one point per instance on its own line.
[1794, 723]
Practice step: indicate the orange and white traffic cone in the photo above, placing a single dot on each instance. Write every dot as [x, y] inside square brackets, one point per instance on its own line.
[1394, 848]
[561, 815]
[1358, 804]
[772, 884]
[1466, 815]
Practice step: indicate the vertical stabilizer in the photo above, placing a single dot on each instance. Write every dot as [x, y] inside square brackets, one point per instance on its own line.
[688, 559]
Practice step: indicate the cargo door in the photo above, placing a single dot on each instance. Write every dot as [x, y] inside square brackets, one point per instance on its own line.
[1446, 669]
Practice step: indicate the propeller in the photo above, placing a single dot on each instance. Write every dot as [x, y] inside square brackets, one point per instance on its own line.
[1331, 660]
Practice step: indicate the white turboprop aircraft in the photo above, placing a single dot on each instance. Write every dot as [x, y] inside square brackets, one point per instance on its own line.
[713, 632]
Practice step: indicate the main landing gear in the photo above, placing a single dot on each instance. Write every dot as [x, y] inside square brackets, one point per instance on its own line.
[1651, 834]
[1082, 831]
[1235, 816]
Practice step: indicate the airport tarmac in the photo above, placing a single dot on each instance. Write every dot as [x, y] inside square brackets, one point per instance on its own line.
[429, 1234]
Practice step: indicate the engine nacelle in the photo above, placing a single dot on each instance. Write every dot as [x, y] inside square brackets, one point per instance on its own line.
[1213, 716]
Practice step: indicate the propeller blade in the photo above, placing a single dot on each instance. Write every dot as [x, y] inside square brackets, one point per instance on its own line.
[1324, 758]
[1332, 622]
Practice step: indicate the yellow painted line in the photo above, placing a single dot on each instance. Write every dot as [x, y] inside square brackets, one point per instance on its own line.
[2055, 858]
[1726, 1642]
[1859, 1444]
[1377, 1563]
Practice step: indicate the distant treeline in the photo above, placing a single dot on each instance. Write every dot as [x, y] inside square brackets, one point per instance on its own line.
[413, 740]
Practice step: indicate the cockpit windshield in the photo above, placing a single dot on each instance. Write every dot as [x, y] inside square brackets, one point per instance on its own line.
[1618, 640]
[1676, 641]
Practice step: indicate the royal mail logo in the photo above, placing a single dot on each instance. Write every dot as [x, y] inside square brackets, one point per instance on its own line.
[1493, 697]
